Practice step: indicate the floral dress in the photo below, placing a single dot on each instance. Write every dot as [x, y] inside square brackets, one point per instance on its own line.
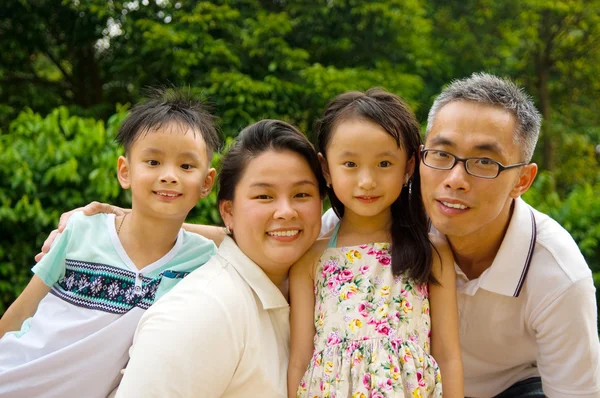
[373, 329]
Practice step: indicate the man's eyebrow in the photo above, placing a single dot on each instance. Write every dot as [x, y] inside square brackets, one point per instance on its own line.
[438, 140]
[487, 147]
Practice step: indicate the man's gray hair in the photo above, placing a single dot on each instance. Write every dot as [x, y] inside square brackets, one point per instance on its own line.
[488, 89]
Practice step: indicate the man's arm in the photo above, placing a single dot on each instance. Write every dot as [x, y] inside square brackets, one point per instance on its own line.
[567, 339]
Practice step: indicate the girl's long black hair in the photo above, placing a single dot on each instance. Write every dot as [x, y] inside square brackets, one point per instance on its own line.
[411, 251]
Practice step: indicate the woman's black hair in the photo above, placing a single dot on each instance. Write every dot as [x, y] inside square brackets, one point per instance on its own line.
[260, 137]
[411, 251]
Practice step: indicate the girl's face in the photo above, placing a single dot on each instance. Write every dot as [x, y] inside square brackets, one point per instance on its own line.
[275, 215]
[365, 167]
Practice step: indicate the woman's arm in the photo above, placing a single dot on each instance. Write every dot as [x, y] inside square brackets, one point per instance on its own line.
[445, 345]
[302, 307]
[24, 306]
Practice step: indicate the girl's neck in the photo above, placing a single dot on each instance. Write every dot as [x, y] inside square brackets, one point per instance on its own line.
[356, 229]
[146, 239]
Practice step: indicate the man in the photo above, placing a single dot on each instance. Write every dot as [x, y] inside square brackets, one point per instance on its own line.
[527, 307]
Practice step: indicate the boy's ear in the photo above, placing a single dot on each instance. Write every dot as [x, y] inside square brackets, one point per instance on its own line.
[325, 168]
[226, 210]
[123, 172]
[209, 181]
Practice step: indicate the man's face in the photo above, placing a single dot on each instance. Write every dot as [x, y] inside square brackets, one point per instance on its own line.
[461, 205]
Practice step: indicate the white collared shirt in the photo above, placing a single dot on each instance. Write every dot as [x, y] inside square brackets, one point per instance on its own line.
[222, 332]
[532, 313]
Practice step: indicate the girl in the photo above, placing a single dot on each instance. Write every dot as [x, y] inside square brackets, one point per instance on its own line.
[362, 293]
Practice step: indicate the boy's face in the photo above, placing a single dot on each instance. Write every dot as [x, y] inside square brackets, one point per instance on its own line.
[168, 172]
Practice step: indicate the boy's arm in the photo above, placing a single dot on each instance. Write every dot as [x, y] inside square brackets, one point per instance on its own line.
[302, 307]
[24, 306]
[445, 346]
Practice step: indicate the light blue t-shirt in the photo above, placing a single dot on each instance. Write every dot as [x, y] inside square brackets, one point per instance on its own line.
[77, 341]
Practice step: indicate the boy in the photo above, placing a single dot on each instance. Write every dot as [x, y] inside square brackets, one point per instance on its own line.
[103, 272]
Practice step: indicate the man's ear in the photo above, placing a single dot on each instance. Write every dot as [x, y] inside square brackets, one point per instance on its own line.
[209, 181]
[226, 210]
[526, 177]
[325, 168]
[123, 172]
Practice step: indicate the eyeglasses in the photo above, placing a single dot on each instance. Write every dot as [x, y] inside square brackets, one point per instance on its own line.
[478, 167]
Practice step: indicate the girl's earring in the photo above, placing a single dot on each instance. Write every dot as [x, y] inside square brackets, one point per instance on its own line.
[228, 230]
[410, 187]
[328, 185]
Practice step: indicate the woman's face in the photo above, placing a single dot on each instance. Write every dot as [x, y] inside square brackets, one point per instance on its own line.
[275, 215]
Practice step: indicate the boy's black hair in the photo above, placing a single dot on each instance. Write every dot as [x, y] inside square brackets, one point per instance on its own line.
[169, 106]
[411, 249]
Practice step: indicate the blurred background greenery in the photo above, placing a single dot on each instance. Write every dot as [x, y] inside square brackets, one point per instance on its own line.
[69, 70]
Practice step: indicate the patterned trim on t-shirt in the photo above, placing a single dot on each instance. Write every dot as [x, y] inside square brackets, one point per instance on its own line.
[104, 287]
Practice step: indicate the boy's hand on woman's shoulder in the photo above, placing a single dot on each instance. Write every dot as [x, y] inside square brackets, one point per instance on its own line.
[88, 210]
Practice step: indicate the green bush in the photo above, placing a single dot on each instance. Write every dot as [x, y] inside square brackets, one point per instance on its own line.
[49, 165]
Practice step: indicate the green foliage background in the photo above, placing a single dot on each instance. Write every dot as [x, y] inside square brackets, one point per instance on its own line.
[69, 70]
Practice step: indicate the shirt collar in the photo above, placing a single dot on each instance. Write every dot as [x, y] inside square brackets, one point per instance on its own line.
[270, 296]
[507, 273]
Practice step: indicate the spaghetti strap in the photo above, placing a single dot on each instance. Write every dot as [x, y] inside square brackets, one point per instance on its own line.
[333, 240]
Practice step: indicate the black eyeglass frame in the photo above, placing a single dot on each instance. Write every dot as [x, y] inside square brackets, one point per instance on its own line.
[501, 167]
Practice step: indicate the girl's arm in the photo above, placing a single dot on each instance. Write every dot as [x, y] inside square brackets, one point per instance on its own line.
[302, 307]
[24, 306]
[445, 345]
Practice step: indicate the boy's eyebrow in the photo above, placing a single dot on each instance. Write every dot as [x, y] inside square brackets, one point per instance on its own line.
[268, 185]
[152, 150]
[191, 154]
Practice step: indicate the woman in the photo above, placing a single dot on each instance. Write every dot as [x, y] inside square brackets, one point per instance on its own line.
[224, 330]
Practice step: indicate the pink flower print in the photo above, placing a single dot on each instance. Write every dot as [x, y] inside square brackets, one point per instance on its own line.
[330, 267]
[363, 246]
[367, 381]
[404, 293]
[345, 276]
[377, 394]
[384, 260]
[363, 269]
[423, 290]
[333, 283]
[383, 328]
[420, 378]
[363, 309]
[333, 339]
[386, 385]
[413, 338]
